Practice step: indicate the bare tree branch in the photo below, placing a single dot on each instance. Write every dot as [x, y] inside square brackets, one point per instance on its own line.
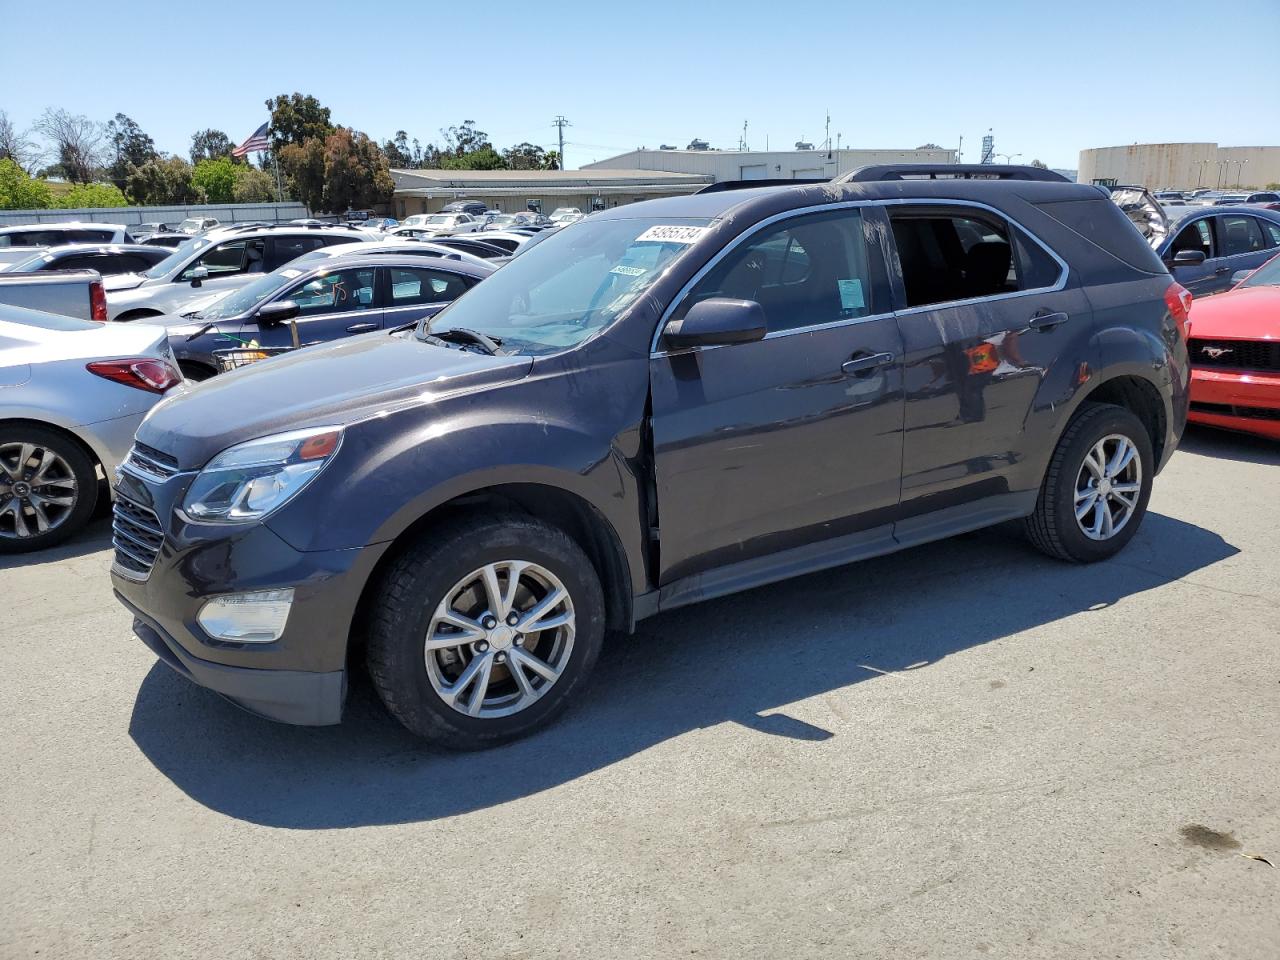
[77, 141]
[15, 145]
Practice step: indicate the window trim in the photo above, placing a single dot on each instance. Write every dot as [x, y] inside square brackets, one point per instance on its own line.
[655, 352]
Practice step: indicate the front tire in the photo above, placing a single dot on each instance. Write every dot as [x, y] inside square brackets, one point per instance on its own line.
[48, 488]
[484, 630]
[1096, 489]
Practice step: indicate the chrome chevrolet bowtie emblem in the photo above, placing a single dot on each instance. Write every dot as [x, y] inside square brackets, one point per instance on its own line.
[1213, 353]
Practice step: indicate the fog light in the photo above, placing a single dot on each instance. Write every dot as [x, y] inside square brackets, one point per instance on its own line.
[257, 617]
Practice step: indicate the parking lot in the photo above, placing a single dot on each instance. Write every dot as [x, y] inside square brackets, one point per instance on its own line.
[962, 750]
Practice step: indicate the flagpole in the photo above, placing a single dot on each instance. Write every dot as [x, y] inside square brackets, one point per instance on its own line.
[279, 189]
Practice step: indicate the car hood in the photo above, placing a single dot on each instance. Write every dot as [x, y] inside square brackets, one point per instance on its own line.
[1246, 313]
[122, 281]
[339, 383]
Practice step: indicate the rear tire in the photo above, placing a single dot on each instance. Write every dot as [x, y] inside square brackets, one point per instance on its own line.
[421, 652]
[1095, 492]
[46, 480]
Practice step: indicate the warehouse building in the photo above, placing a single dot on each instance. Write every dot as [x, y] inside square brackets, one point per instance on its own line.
[1181, 166]
[426, 191]
[766, 164]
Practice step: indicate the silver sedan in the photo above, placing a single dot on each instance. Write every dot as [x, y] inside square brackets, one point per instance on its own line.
[72, 393]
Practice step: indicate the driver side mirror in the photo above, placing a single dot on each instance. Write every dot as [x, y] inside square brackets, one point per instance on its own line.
[716, 322]
[1189, 258]
[199, 275]
[273, 314]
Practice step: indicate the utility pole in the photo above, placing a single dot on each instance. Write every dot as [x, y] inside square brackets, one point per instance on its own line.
[742, 141]
[828, 140]
[560, 122]
[960, 150]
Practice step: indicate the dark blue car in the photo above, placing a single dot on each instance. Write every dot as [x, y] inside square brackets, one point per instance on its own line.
[1206, 246]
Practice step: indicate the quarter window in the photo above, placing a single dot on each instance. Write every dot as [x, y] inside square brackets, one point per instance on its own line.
[1241, 235]
[337, 292]
[805, 271]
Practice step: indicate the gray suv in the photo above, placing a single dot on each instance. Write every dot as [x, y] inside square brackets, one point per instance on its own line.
[674, 400]
[215, 263]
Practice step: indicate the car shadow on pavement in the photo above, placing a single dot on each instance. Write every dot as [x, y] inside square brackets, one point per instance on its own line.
[737, 659]
[94, 537]
[1225, 445]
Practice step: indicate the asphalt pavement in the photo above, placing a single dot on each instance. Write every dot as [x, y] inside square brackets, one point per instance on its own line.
[964, 750]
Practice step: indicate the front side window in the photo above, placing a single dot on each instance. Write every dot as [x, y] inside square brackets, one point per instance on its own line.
[336, 292]
[1197, 235]
[231, 257]
[414, 285]
[1241, 235]
[804, 271]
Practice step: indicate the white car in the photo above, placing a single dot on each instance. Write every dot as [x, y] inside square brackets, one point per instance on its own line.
[23, 241]
[194, 225]
[438, 224]
[217, 262]
[73, 393]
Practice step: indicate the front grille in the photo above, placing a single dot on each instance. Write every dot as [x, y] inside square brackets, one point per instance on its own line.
[137, 536]
[1261, 355]
[152, 461]
[1229, 410]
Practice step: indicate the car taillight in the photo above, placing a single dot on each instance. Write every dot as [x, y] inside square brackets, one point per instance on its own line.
[97, 302]
[143, 373]
[1178, 299]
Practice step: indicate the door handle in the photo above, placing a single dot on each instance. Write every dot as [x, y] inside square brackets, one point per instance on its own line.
[362, 327]
[1222, 270]
[865, 363]
[1047, 321]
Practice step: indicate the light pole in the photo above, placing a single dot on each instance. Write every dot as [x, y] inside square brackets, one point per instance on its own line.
[1008, 157]
[1222, 165]
[1240, 172]
[1200, 173]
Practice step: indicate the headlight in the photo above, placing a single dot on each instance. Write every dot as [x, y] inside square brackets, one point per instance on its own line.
[249, 480]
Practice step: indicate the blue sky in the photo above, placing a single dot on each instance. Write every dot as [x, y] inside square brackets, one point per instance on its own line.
[1050, 79]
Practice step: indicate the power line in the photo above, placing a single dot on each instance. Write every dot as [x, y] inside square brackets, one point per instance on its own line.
[560, 123]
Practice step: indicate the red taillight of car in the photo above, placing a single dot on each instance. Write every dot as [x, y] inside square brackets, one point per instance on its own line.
[97, 302]
[1178, 299]
[144, 373]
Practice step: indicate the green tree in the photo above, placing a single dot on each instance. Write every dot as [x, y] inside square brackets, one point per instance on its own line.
[344, 171]
[129, 147]
[529, 156]
[216, 179]
[461, 140]
[485, 158]
[303, 165]
[91, 195]
[398, 151]
[253, 185]
[163, 181]
[1039, 166]
[19, 191]
[296, 119]
[210, 145]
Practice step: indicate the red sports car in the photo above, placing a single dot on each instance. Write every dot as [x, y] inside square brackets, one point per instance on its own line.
[1235, 355]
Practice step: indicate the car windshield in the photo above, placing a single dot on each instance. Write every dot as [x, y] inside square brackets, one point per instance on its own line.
[177, 258]
[571, 286]
[1267, 275]
[250, 295]
[441, 218]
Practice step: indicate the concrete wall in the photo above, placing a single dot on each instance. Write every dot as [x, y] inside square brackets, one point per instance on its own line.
[1182, 166]
[761, 164]
[227, 213]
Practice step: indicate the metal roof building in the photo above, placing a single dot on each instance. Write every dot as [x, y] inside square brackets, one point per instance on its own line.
[764, 164]
[426, 191]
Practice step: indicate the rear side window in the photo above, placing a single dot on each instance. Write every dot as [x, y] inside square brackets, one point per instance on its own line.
[415, 285]
[286, 248]
[1104, 225]
[952, 256]
[804, 271]
[32, 238]
[1271, 231]
[1241, 235]
[88, 236]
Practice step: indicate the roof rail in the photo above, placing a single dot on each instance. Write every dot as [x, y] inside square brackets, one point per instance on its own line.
[751, 184]
[948, 171]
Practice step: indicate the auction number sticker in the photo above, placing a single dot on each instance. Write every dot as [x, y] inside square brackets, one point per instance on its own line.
[671, 234]
[627, 271]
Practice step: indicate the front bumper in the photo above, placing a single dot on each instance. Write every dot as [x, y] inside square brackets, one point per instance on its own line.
[299, 678]
[1232, 400]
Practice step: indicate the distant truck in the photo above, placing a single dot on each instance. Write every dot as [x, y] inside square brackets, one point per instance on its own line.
[72, 293]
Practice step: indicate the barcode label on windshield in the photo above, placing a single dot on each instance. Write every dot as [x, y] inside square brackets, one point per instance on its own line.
[671, 234]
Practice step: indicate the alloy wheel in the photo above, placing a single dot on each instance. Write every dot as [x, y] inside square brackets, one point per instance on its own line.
[1108, 487]
[37, 490]
[500, 639]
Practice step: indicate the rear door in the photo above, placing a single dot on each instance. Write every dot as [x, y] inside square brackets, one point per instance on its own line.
[986, 314]
[782, 443]
[332, 304]
[417, 292]
[1246, 244]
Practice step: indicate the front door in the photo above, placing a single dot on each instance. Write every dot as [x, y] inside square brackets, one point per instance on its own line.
[332, 305]
[1211, 276]
[782, 442]
[986, 315]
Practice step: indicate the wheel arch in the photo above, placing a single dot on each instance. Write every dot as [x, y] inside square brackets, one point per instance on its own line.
[85, 447]
[1142, 398]
[138, 314]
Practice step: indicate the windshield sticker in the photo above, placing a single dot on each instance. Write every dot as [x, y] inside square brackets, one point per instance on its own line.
[627, 271]
[290, 274]
[671, 234]
[851, 295]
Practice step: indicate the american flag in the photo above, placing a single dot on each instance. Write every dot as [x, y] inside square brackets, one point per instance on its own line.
[257, 141]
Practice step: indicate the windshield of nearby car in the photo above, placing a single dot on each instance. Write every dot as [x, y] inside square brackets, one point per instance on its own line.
[1267, 275]
[250, 295]
[441, 218]
[175, 259]
[571, 286]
